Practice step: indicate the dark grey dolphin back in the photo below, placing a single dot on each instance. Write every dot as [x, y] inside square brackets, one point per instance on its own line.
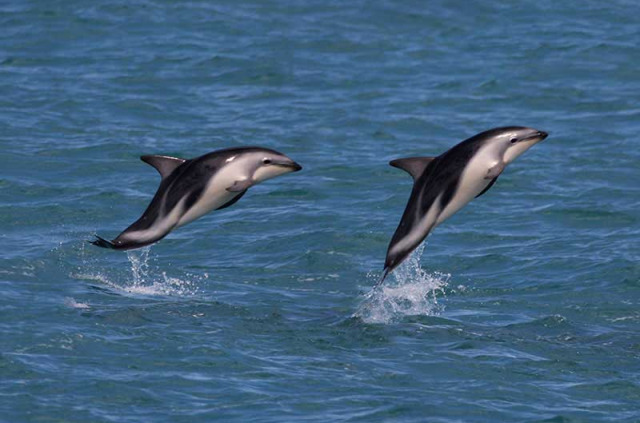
[440, 177]
[420, 199]
[183, 184]
[188, 181]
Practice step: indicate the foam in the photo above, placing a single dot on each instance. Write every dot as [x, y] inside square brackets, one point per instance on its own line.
[72, 303]
[145, 279]
[408, 291]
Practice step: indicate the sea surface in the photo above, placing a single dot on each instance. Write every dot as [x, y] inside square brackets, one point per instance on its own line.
[523, 307]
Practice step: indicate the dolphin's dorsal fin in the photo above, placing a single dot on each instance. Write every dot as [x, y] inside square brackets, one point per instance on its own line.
[163, 164]
[414, 166]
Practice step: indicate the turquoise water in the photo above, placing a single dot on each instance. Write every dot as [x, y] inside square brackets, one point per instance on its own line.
[521, 307]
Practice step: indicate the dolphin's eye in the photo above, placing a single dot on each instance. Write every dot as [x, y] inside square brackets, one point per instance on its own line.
[513, 140]
[266, 161]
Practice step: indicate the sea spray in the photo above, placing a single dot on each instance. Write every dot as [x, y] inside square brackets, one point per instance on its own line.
[408, 291]
[139, 265]
[144, 278]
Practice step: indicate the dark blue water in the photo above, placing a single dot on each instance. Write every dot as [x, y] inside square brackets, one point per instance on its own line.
[521, 307]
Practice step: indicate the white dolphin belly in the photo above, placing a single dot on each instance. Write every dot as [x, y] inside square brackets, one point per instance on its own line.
[215, 195]
[472, 182]
[160, 227]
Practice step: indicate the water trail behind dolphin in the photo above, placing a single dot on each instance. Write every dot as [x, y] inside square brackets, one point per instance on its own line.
[408, 291]
[143, 278]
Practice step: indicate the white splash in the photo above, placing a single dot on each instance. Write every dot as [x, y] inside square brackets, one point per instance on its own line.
[146, 280]
[72, 303]
[407, 291]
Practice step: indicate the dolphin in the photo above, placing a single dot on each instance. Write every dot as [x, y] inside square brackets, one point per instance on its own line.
[444, 184]
[192, 188]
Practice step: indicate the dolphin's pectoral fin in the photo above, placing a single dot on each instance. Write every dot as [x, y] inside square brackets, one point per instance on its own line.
[232, 201]
[239, 186]
[495, 171]
[163, 164]
[493, 181]
[414, 166]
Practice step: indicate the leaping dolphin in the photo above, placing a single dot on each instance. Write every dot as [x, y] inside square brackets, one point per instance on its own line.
[444, 184]
[192, 188]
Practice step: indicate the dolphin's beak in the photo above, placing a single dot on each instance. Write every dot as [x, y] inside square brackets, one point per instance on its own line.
[296, 167]
[536, 136]
[291, 165]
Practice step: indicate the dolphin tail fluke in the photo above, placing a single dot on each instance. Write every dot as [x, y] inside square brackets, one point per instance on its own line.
[101, 242]
[387, 270]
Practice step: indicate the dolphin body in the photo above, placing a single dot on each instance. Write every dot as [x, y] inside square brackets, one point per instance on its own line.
[192, 188]
[444, 184]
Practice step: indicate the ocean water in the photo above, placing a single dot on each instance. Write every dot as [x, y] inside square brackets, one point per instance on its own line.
[524, 306]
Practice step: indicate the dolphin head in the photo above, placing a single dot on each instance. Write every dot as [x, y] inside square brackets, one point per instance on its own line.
[267, 164]
[515, 140]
